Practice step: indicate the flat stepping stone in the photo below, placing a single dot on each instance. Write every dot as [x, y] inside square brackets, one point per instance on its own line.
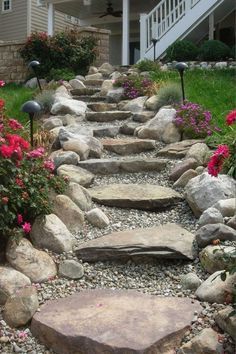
[177, 150]
[101, 107]
[106, 130]
[84, 91]
[166, 241]
[87, 98]
[93, 82]
[113, 322]
[128, 146]
[108, 116]
[123, 165]
[136, 196]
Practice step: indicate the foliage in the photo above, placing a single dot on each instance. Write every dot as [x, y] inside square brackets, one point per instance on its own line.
[233, 52]
[147, 65]
[45, 99]
[224, 158]
[214, 50]
[64, 50]
[61, 74]
[193, 120]
[169, 94]
[182, 50]
[26, 180]
[135, 86]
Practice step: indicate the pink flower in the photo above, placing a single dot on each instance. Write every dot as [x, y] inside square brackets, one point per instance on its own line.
[231, 117]
[26, 227]
[1, 127]
[14, 124]
[19, 219]
[49, 165]
[22, 335]
[2, 83]
[217, 160]
[19, 182]
[6, 151]
[5, 200]
[36, 153]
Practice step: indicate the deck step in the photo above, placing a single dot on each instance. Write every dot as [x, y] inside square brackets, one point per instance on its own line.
[108, 116]
[123, 165]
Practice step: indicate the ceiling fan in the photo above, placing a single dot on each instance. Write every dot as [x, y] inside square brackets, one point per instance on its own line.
[110, 11]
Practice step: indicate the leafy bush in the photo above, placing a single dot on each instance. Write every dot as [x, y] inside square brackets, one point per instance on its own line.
[193, 120]
[169, 94]
[147, 65]
[233, 52]
[135, 86]
[182, 50]
[61, 74]
[63, 50]
[214, 50]
[26, 180]
[45, 98]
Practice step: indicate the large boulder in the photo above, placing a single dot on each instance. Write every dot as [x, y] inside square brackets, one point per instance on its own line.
[106, 69]
[204, 191]
[227, 321]
[79, 195]
[108, 321]
[76, 174]
[97, 218]
[199, 152]
[210, 232]
[78, 147]
[68, 212]
[71, 269]
[181, 167]
[51, 233]
[61, 157]
[152, 103]
[115, 95]
[214, 258]
[76, 84]
[36, 265]
[107, 85]
[211, 216]
[11, 281]
[20, 307]
[63, 105]
[135, 105]
[227, 207]
[155, 128]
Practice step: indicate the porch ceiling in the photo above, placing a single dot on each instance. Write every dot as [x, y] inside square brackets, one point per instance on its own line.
[76, 8]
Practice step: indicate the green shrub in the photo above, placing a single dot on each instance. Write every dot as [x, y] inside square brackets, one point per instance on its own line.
[233, 52]
[182, 50]
[169, 94]
[147, 65]
[65, 50]
[214, 50]
[61, 74]
[45, 98]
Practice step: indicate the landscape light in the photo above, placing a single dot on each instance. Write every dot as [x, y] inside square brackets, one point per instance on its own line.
[31, 107]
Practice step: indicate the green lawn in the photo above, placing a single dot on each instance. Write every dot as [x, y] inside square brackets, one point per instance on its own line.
[14, 96]
[215, 90]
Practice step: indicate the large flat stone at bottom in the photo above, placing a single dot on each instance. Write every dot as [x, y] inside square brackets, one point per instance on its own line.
[113, 322]
[165, 241]
[137, 196]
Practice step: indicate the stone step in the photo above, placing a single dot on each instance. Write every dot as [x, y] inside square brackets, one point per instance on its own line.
[123, 165]
[135, 196]
[128, 146]
[114, 321]
[108, 116]
[178, 150]
[106, 130]
[89, 83]
[84, 91]
[165, 241]
[90, 99]
[101, 107]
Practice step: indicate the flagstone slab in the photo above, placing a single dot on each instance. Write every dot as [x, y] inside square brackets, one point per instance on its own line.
[113, 322]
[136, 196]
[122, 165]
[128, 146]
[108, 116]
[165, 241]
[177, 150]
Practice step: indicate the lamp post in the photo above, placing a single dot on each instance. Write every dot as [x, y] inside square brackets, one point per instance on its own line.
[33, 65]
[181, 67]
[154, 42]
[31, 107]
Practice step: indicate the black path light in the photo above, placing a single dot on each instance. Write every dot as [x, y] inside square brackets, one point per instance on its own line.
[34, 65]
[181, 67]
[31, 107]
[154, 42]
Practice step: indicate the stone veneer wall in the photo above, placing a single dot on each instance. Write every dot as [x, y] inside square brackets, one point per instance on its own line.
[14, 69]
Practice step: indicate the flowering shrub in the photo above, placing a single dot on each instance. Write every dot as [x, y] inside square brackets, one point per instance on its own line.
[26, 179]
[135, 86]
[193, 120]
[224, 157]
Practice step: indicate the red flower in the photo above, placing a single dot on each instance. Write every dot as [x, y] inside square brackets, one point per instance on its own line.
[26, 227]
[216, 162]
[19, 219]
[5, 200]
[2, 103]
[231, 117]
[6, 151]
[14, 124]
[19, 182]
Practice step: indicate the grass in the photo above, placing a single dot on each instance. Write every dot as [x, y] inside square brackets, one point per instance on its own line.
[213, 89]
[14, 96]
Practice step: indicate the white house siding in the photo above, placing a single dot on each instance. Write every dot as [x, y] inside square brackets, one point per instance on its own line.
[39, 19]
[13, 24]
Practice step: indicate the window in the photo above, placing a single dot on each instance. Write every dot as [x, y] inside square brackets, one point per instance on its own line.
[6, 5]
[41, 3]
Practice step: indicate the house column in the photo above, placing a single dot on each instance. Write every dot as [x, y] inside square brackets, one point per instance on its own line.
[211, 26]
[125, 32]
[50, 19]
